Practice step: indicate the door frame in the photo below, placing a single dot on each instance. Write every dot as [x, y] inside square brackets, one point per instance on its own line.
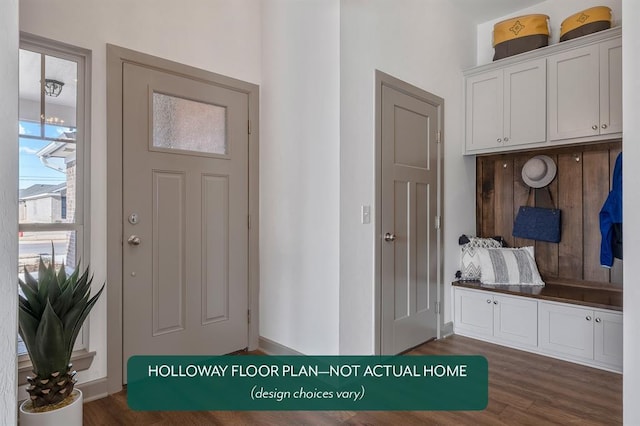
[116, 57]
[383, 79]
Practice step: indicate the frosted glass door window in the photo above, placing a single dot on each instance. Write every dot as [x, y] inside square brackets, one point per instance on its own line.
[187, 125]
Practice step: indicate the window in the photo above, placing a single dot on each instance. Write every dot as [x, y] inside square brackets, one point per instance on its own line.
[53, 156]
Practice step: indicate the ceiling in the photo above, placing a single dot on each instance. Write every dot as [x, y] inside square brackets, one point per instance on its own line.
[55, 68]
[485, 10]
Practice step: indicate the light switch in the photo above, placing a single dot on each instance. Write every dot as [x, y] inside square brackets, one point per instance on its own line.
[365, 214]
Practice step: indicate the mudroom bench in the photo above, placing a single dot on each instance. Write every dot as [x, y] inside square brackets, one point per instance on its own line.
[576, 321]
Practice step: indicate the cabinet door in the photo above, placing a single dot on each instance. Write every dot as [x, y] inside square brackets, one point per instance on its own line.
[525, 103]
[611, 87]
[515, 320]
[608, 338]
[474, 312]
[574, 93]
[484, 111]
[566, 330]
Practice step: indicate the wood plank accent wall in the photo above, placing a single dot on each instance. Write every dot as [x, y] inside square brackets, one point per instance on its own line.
[580, 188]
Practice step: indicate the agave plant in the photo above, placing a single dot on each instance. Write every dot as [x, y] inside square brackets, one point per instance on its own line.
[51, 313]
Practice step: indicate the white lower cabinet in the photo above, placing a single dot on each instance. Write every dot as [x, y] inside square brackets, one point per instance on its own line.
[560, 330]
[607, 340]
[515, 320]
[592, 335]
[509, 319]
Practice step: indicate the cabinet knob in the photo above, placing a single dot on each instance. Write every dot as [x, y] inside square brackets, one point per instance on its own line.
[499, 140]
[506, 139]
[604, 126]
[594, 127]
[598, 320]
[588, 318]
[488, 300]
[495, 302]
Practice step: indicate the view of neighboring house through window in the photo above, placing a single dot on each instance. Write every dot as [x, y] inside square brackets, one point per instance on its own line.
[53, 143]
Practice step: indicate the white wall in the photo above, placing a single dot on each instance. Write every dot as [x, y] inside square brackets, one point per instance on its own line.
[300, 174]
[222, 36]
[415, 41]
[557, 11]
[8, 211]
[631, 206]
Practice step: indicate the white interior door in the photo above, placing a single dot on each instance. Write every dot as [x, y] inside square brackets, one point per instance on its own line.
[185, 208]
[409, 172]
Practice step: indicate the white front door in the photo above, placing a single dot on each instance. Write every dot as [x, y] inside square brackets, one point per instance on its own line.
[185, 214]
[409, 178]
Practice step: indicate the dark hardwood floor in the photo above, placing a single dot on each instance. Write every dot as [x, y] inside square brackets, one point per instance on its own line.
[524, 389]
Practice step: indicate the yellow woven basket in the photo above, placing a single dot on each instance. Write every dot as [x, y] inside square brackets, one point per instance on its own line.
[520, 26]
[585, 22]
[520, 34]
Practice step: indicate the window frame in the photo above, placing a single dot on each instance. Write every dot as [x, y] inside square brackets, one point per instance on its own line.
[81, 224]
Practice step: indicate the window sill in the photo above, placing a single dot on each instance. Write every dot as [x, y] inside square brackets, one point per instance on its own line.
[81, 360]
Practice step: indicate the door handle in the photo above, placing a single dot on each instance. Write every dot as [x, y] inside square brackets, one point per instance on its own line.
[134, 240]
[389, 237]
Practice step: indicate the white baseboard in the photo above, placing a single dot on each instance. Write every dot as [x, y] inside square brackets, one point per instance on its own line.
[446, 330]
[274, 348]
[94, 389]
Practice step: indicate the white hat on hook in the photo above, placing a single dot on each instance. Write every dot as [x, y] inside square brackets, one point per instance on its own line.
[539, 171]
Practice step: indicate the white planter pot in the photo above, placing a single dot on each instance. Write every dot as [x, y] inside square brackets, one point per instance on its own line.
[69, 415]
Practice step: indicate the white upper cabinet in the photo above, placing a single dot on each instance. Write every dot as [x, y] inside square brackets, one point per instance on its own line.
[611, 86]
[570, 92]
[507, 107]
[484, 113]
[525, 103]
[585, 91]
[574, 94]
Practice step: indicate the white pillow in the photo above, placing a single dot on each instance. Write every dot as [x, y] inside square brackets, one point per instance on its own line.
[469, 262]
[508, 266]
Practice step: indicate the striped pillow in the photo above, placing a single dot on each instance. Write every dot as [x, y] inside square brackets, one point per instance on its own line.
[508, 266]
[469, 263]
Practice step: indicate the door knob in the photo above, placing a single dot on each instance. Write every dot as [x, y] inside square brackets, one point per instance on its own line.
[389, 237]
[134, 240]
